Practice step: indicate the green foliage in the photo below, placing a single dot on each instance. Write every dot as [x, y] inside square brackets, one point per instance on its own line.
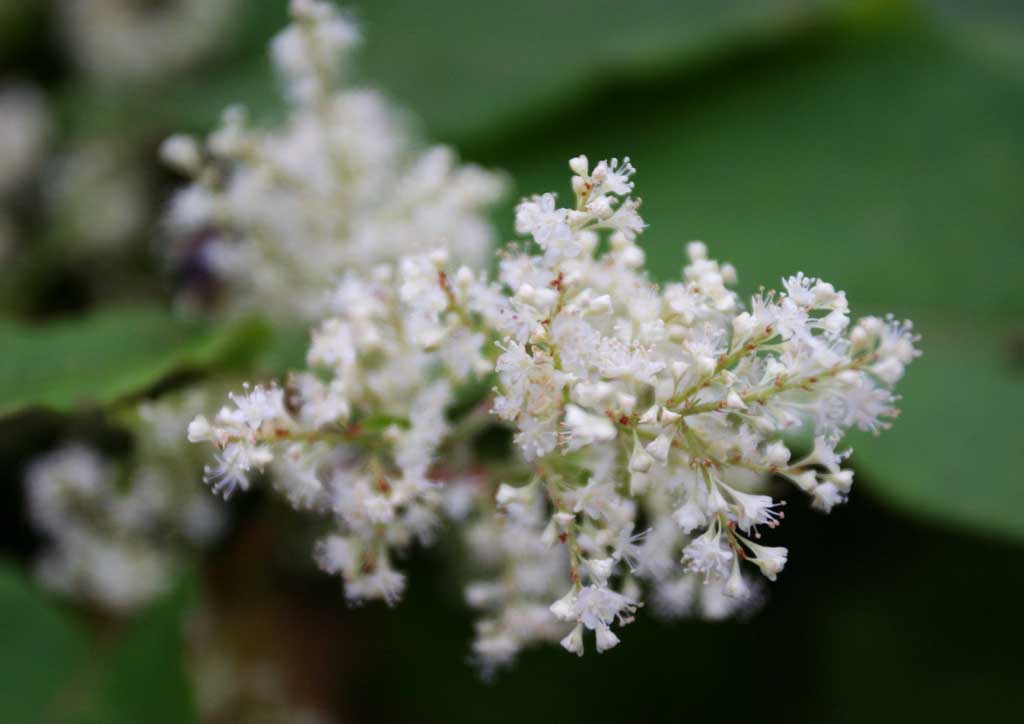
[41, 650]
[53, 673]
[284, 350]
[105, 356]
[956, 451]
[473, 74]
[890, 164]
[993, 27]
[468, 73]
[144, 679]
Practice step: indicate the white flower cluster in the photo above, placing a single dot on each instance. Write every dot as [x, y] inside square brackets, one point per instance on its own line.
[99, 196]
[130, 41]
[118, 535]
[379, 353]
[339, 187]
[646, 422]
[25, 127]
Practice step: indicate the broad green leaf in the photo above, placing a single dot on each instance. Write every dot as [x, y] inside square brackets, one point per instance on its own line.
[40, 650]
[957, 449]
[105, 356]
[890, 163]
[469, 71]
[144, 679]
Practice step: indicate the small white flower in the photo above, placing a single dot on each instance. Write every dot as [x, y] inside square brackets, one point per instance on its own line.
[199, 430]
[689, 517]
[734, 402]
[182, 152]
[650, 417]
[771, 560]
[668, 417]
[573, 642]
[584, 428]
[754, 510]
[512, 495]
[640, 461]
[597, 607]
[600, 569]
[579, 165]
[659, 447]
[826, 496]
[735, 586]
[708, 555]
[564, 608]
[606, 639]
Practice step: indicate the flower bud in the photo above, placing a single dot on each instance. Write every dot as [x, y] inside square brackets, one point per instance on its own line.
[580, 165]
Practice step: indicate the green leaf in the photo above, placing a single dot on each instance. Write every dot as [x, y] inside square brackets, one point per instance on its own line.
[474, 73]
[468, 72]
[285, 351]
[103, 357]
[890, 163]
[145, 679]
[41, 651]
[995, 28]
[956, 451]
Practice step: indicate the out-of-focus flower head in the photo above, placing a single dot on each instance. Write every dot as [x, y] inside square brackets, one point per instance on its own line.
[115, 42]
[340, 186]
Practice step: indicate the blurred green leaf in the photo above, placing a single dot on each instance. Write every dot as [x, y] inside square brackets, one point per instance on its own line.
[284, 351]
[105, 356]
[472, 74]
[508, 62]
[190, 104]
[145, 679]
[41, 650]
[889, 162]
[957, 450]
[995, 28]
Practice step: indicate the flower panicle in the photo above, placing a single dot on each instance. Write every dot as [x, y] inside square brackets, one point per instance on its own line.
[625, 400]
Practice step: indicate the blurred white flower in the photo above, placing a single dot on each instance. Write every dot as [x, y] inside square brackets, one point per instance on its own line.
[25, 128]
[339, 186]
[99, 196]
[133, 41]
[118, 534]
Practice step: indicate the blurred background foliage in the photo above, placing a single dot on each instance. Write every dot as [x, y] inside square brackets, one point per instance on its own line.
[877, 144]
